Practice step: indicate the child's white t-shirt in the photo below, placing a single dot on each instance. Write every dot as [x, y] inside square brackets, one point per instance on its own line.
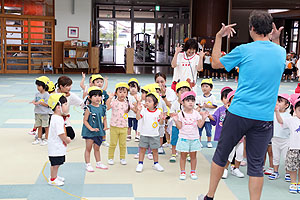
[55, 144]
[189, 129]
[186, 67]
[140, 124]
[293, 123]
[175, 108]
[279, 131]
[207, 59]
[131, 100]
[209, 100]
[150, 122]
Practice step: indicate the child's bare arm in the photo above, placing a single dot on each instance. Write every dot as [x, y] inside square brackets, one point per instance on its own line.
[105, 123]
[105, 83]
[65, 138]
[82, 81]
[86, 123]
[177, 122]
[278, 117]
[108, 102]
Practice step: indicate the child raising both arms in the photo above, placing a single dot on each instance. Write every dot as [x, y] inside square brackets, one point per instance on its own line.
[57, 140]
[118, 122]
[151, 117]
[292, 163]
[188, 121]
[94, 125]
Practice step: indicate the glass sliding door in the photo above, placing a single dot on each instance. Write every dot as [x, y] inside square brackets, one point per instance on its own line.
[123, 39]
[106, 41]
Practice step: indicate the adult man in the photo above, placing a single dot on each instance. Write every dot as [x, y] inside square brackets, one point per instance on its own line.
[261, 64]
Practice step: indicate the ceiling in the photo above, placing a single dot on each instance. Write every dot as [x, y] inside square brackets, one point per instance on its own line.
[236, 4]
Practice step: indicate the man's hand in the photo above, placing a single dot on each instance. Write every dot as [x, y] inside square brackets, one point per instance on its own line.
[275, 34]
[226, 30]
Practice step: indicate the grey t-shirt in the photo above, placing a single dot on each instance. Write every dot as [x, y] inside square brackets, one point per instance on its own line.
[39, 109]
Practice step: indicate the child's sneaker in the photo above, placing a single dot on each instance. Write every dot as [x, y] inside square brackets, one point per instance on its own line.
[37, 141]
[150, 156]
[160, 150]
[110, 162]
[100, 165]
[128, 138]
[194, 176]
[166, 145]
[209, 145]
[287, 178]
[182, 176]
[158, 167]
[225, 174]
[244, 162]
[32, 132]
[173, 159]
[123, 162]
[44, 142]
[136, 156]
[56, 182]
[106, 144]
[293, 188]
[236, 172]
[188, 158]
[139, 167]
[269, 171]
[61, 178]
[89, 167]
[274, 176]
[221, 79]
[137, 138]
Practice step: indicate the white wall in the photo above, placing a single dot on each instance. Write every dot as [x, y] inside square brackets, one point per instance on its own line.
[64, 17]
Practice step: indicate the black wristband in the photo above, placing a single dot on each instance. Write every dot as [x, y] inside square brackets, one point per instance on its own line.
[163, 96]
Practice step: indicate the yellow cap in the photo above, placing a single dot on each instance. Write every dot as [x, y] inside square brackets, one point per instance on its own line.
[156, 85]
[133, 80]
[182, 84]
[96, 76]
[207, 81]
[54, 99]
[147, 88]
[51, 86]
[122, 84]
[94, 88]
[43, 79]
[154, 94]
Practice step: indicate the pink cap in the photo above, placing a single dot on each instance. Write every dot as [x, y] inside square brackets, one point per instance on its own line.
[296, 101]
[293, 98]
[230, 94]
[225, 88]
[186, 94]
[285, 96]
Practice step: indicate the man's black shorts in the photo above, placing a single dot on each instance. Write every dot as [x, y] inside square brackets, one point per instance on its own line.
[258, 133]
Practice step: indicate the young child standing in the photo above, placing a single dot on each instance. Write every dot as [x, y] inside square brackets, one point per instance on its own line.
[119, 121]
[57, 142]
[188, 121]
[181, 87]
[94, 125]
[134, 90]
[151, 117]
[292, 163]
[280, 140]
[219, 115]
[207, 102]
[41, 109]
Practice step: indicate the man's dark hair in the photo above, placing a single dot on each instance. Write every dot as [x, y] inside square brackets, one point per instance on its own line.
[261, 21]
[190, 44]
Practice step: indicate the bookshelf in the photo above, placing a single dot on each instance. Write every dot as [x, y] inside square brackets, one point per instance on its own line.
[75, 57]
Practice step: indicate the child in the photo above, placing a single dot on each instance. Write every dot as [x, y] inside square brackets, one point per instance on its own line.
[151, 117]
[57, 143]
[134, 88]
[280, 140]
[41, 109]
[292, 163]
[237, 151]
[94, 80]
[207, 101]
[187, 122]
[94, 125]
[219, 115]
[181, 87]
[207, 64]
[119, 121]
[288, 68]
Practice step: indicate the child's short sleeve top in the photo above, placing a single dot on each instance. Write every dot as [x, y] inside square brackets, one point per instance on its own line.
[293, 123]
[119, 115]
[209, 100]
[189, 129]
[279, 131]
[150, 122]
[40, 109]
[95, 120]
[55, 144]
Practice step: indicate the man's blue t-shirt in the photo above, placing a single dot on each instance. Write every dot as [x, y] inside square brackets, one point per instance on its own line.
[261, 64]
